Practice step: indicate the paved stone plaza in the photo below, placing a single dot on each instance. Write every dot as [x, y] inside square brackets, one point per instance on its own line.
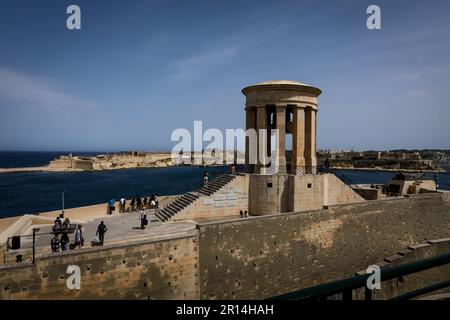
[122, 227]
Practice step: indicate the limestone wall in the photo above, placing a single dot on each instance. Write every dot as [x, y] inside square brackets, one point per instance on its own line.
[83, 164]
[261, 257]
[2, 254]
[289, 193]
[61, 164]
[369, 193]
[252, 258]
[398, 286]
[269, 194]
[145, 270]
[337, 192]
[226, 202]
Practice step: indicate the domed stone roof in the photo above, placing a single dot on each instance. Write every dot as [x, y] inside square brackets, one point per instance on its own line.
[282, 84]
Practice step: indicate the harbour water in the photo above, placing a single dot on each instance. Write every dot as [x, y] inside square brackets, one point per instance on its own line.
[27, 193]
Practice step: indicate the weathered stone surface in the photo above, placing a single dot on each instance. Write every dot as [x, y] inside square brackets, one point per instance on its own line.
[271, 255]
[252, 258]
[142, 270]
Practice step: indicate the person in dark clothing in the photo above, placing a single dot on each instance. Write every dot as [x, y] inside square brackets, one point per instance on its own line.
[241, 214]
[132, 203]
[144, 202]
[327, 165]
[144, 220]
[57, 226]
[64, 242]
[139, 203]
[66, 224]
[111, 206]
[54, 243]
[101, 230]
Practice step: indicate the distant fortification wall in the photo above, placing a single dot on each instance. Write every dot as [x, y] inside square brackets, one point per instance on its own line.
[271, 255]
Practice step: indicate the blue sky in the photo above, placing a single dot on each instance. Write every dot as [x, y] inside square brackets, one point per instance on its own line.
[140, 69]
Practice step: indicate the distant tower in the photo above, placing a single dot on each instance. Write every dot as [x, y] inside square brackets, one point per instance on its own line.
[291, 107]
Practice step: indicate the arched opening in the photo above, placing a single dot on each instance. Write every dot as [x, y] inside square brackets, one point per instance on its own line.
[288, 151]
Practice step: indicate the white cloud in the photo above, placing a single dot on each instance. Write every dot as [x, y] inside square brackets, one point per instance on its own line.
[197, 64]
[29, 91]
[224, 51]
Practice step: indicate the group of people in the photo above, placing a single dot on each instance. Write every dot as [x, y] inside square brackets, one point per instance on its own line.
[138, 203]
[60, 226]
[243, 214]
[63, 244]
[64, 228]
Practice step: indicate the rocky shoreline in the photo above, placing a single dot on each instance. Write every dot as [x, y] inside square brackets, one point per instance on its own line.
[391, 169]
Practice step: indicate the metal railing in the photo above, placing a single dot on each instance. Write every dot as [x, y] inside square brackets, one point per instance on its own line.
[346, 286]
[35, 234]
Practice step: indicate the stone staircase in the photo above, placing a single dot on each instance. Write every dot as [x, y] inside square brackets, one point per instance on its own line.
[189, 198]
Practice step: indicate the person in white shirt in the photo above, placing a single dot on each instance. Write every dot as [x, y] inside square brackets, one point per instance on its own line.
[123, 202]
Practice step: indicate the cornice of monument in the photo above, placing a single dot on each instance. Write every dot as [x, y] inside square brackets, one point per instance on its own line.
[282, 85]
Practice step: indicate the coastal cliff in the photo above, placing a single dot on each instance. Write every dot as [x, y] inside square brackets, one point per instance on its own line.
[131, 160]
[111, 161]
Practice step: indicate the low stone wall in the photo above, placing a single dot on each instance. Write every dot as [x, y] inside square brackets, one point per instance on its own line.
[164, 269]
[2, 254]
[402, 285]
[369, 193]
[251, 258]
[267, 256]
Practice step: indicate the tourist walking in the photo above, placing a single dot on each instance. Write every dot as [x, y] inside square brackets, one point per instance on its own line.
[156, 201]
[132, 203]
[79, 240]
[111, 206]
[205, 179]
[66, 224]
[57, 226]
[123, 203]
[327, 165]
[65, 242]
[101, 230]
[139, 203]
[144, 220]
[54, 243]
[145, 203]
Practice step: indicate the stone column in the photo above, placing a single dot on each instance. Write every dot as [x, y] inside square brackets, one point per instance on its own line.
[314, 154]
[310, 141]
[281, 147]
[261, 123]
[250, 122]
[298, 141]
